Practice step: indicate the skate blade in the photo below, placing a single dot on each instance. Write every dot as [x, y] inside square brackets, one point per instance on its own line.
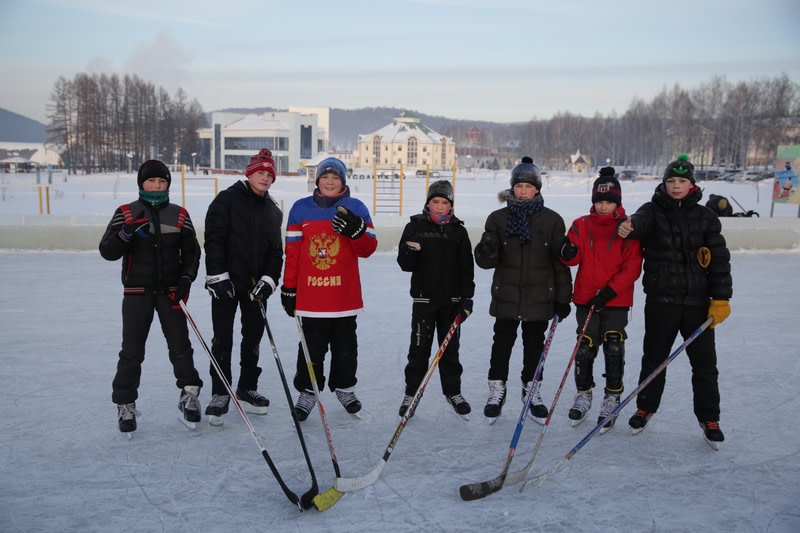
[576, 423]
[714, 444]
[636, 431]
[325, 500]
[253, 409]
[540, 421]
[604, 429]
[492, 420]
[190, 425]
[215, 421]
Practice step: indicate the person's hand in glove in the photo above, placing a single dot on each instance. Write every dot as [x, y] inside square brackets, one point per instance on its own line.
[568, 250]
[138, 228]
[465, 308]
[289, 300]
[601, 298]
[562, 310]
[412, 245]
[489, 245]
[181, 292]
[220, 286]
[263, 289]
[347, 223]
[718, 311]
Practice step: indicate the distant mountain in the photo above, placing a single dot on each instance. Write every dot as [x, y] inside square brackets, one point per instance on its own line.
[16, 128]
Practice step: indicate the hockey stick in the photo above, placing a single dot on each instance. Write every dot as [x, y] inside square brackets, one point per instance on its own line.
[660, 368]
[329, 497]
[307, 498]
[358, 483]
[519, 475]
[481, 489]
[286, 490]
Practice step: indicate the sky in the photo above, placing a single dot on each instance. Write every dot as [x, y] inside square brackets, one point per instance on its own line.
[64, 466]
[501, 61]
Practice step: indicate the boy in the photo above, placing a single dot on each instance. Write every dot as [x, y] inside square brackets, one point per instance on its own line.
[160, 257]
[436, 249]
[608, 266]
[244, 256]
[530, 284]
[326, 234]
[687, 279]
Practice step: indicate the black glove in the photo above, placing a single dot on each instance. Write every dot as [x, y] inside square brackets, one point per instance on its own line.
[465, 309]
[139, 228]
[289, 300]
[348, 223]
[489, 245]
[562, 310]
[568, 250]
[181, 292]
[601, 298]
[262, 290]
[220, 287]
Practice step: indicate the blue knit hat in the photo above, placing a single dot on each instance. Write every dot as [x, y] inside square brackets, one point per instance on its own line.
[331, 165]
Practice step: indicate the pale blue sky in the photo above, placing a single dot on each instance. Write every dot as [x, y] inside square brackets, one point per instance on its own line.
[497, 60]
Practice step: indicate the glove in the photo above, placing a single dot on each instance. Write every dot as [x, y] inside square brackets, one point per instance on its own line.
[569, 250]
[719, 310]
[412, 245]
[489, 245]
[601, 298]
[348, 223]
[263, 289]
[220, 287]
[139, 228]
[562, 310]
[465, 309]
[289, 300]
[181, 292]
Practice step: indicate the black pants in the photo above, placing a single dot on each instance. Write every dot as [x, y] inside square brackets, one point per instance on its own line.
[505, 335]
[223, 313]
[609, 319]
[425, 319]
[340, 335]
[662, 324]
[137, 317]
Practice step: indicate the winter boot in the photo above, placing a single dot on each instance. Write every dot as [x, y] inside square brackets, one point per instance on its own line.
[497, 397]
[305, 403]
[252, 401]
[639, 420]
[127, 413]
[189, 404]
[712, 433]
[217, 407]
[460, 405]
[348, 399]
[538, 408]
[610, 402]
[583, 402]
[405, 405]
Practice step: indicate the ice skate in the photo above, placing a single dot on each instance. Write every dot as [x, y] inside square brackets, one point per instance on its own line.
[305, 403]
[189, 405]
[127, 413]
[252, 401]
[348, 399]
[497, 397]
[217, 407]
[639, 421]
[610, 402]
[579, 409]
[538, 410]
[460, 405]
[712, 434]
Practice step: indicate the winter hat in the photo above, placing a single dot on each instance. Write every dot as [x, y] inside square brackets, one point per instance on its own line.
[261, 161]
[681, 168]
[441, 189]
[333, 166]
[527, 172]
[606, 187]
[153, 169]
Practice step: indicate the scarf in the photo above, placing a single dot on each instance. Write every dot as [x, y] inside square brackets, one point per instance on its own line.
[154, 198]
[329, 201]
[439, 220]
[518, 213]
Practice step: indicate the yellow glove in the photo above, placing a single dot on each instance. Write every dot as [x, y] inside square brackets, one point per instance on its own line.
[718, 311]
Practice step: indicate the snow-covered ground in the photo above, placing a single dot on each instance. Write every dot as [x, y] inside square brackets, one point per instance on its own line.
[65, 467]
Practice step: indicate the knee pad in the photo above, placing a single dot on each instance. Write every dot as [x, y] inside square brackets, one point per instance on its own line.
[584, 360]
[614, 351]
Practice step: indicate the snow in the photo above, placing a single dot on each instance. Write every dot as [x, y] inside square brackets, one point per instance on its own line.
[65, 467]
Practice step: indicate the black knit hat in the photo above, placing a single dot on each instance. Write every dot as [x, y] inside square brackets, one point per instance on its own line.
[681, 168]
[607, 187]
[527, 172]
[441, 189]
[153, 169]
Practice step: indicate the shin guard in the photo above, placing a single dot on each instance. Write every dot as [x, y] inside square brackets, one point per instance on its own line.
[614, 351]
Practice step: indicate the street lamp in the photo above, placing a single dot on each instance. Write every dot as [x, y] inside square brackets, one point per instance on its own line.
[194, 168]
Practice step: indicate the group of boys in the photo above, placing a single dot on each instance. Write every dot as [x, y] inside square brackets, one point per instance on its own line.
[686, 280]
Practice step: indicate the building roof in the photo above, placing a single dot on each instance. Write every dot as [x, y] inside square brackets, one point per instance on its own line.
[403, 127]
[256, 122]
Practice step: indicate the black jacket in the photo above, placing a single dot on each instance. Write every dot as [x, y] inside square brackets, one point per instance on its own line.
[243, 236]
[672, 233]
[443, 271]
[155, 263]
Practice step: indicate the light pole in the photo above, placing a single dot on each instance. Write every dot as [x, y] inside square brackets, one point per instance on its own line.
[194, 168]
[130, 158]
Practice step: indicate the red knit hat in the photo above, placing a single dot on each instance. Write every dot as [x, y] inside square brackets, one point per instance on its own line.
[261, 161]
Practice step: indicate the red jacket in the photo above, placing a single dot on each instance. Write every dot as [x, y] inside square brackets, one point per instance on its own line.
[604, 258]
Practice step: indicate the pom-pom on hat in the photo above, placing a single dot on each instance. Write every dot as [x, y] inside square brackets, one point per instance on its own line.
[334, 166]
[153, 168]
[681, 168]
[607, 187]
[527, 172]
[441, 189]
[261, 161]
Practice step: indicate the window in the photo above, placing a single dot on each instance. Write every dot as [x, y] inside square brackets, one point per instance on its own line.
[412, 151]
[376, 148]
